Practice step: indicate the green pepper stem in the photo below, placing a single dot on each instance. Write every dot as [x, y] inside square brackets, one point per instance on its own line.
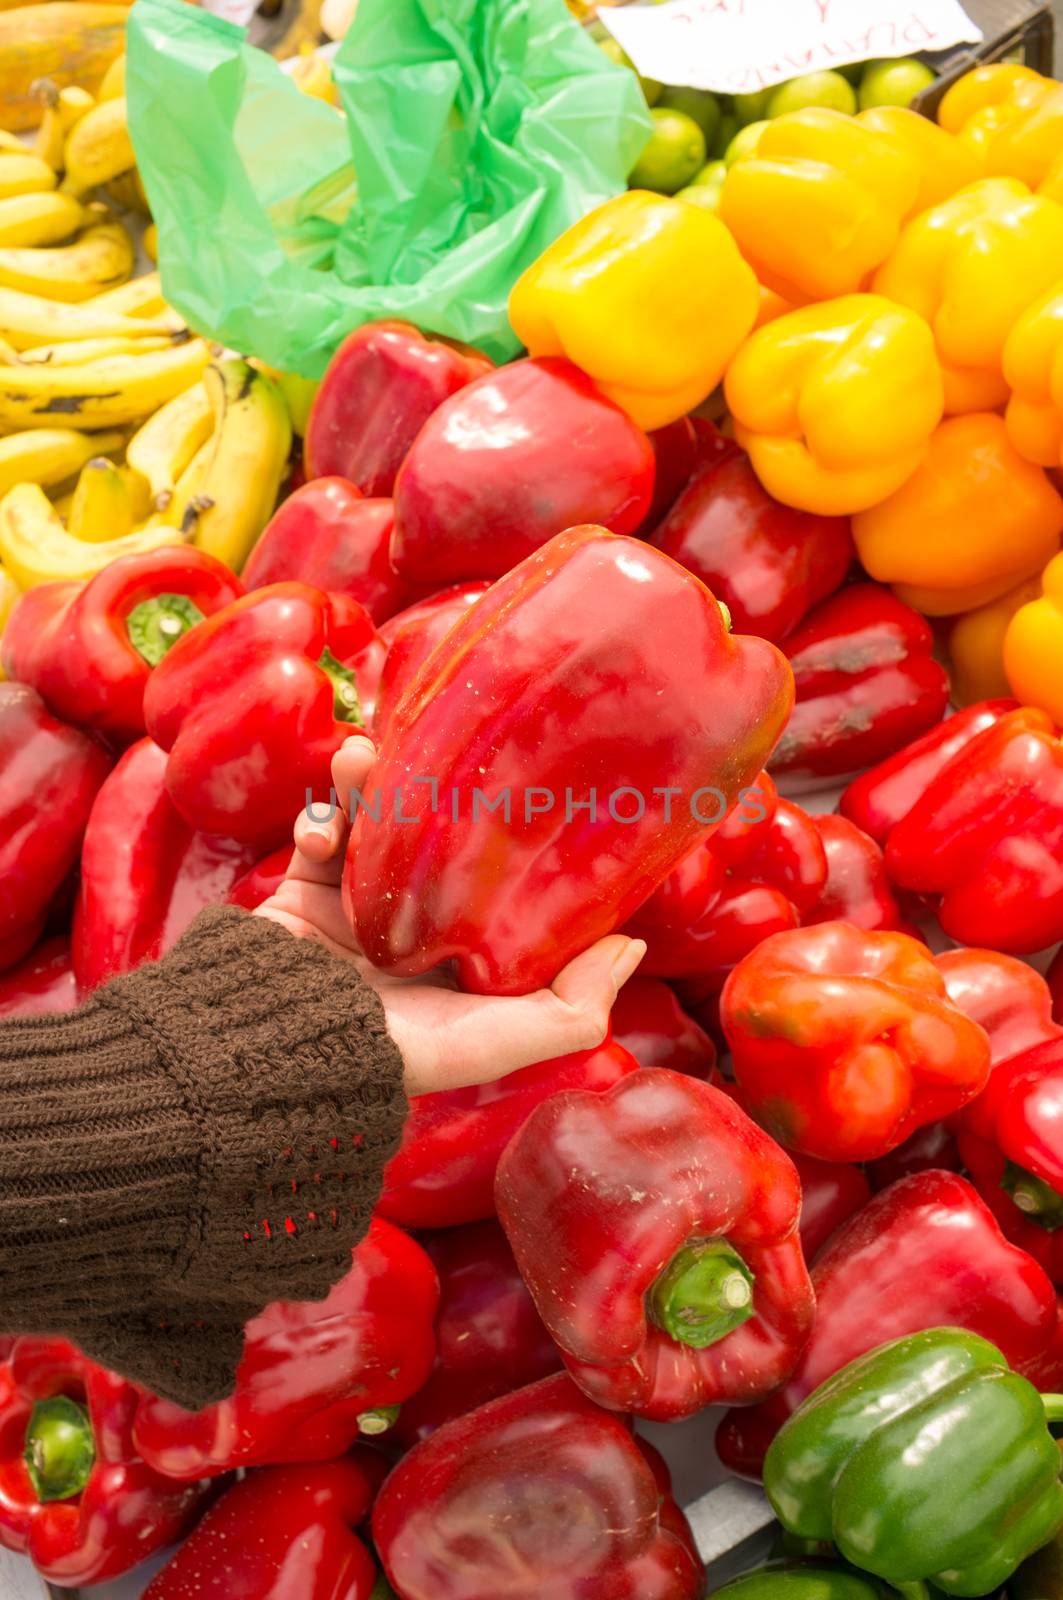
[60, 1450]
[704, 1293]
[1037, 1200]
[346, 706]
[1053, 1404]
[155, 625]
[378, 1420]
[913, 1591]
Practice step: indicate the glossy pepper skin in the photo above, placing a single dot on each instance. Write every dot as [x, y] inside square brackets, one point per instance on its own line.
[327, 535]
[997, 85]
[986, 835]
[516, 458]
[252, 706]
[648, 1021]
[820, 203]
[867, 684]
[835, 402]
[42, 983]
[280, 1526]
[52, 775]
[443, 1173]
[831, 1193]
[89, 648]
[1033, 369]
[261, 880]
[976, 645]
[145, 873]
[805, 1581]
[656, 1227]
[1033, 646]
[857, 889]
[1030, 146]
[924, 1253]
[648, 296]
[541, 685]
[490, 1338]
[412, 642]
[767, 563]
[314, 1374]
[946, 164]
[379, 389]
[539, 1495]
[970, 523]
[846, 1041]
[96, 1508]
[864, 1461]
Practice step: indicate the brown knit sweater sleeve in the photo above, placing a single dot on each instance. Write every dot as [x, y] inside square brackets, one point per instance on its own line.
[200, 1138]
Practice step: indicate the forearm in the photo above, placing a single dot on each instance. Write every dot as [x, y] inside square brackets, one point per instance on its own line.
[201, 1138]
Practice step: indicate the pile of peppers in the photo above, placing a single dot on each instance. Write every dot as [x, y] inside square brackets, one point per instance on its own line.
[771, 507]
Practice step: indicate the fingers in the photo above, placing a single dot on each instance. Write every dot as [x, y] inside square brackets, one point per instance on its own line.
[321, 830]
[351, 766]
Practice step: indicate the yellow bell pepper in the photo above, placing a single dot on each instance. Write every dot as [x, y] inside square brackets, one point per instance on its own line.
[1030, 146]
[649, 296]
[1003, 86]
[971, 266]
[821, 202]
[36, 548]
[946, 164]
[1033, 367]
[9, 593]
[1033, 646]
[976, 646]
[973, 521]
[835, 402]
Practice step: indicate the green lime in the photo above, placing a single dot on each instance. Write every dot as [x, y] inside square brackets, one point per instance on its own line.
[893, 83]
[711, 175]
[697, 103]
[827, 89]
[651, 89]
[752, 107]
[705, 195]
[724, 133]
[676, 151]
[744, 143]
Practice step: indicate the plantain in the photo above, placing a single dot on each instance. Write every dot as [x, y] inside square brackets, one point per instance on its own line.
[100, 394]
[62, 109]
[67, 41]
[36, 548]
[102, 506]
[29, 319]
[246, 463]
[50, 456]
[24, 174]
[98, 148]
[103, 256]
[163, 449]
[39, 219]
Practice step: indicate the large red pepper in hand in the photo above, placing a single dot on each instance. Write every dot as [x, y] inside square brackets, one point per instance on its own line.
[42, 983]
[766, 562]
[314, 1373]
[656, 1227]
[327, 535]
[986, 835]
[537, 1496]
[845, 1041]
[554, 704]
[75, 1496]
[284, 1533]
[261, 880]
[509, 463]
[254, 704]
[490, 1338]
[145, 873]
[51, 776]
[411, 636]
[89, 648]
[925, 1253]
[648, 1020]
[379, 390]
[867, 684]
[444, 1171]
[858, 888]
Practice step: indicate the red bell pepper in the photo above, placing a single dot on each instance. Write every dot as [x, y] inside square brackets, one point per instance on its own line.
[490, 1339]
[676, 458]
[379, 390]
[1007, 998]
[444, 1171]
[1028, 1207]
[986, 835]
[880, 798]
[284, 1533]
[858, 888]
[261, 880]
[314, 1374]
[766, 562]
[845, 1041]
[656, 1227]
[648, 1021]
[253, 705]
[1054, 975]
[925, 1253]
[831, 1193]
[537, 1496]
[931, 1147]
[74, 1494]
[145, 874]
[89, 648]
[52, 774]
[606, 750]
[412, 642]
[458, 597]
[42, 983]
[510, 462]
[327, 535]
[867, 684]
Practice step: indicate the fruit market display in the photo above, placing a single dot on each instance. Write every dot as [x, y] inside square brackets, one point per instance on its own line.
[729, 615]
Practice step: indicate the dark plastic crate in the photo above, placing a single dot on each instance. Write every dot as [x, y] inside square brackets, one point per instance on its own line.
[1021, 28]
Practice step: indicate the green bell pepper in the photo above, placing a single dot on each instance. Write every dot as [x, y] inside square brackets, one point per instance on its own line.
[927, 1459]
[804, 1581]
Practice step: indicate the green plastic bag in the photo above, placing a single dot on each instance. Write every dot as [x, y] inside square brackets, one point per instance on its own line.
[479, 130]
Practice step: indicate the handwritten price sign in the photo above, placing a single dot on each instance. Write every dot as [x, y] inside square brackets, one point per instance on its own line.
[737, 46]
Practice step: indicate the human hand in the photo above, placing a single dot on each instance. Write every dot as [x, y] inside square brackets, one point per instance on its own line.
[447, 1039]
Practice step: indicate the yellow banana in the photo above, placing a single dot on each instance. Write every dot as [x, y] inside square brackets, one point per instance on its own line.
[12, 142]
[36, 219]
[27, 320]
[62, 109]
[78, 352]
[24, 174]
[164, 447]
[65, 40]
[247, 462]
[36, 548]
[127, 192]
[98, 148]
[102, 256]
[113, 84]
[150, 241]
[102, 507]
[101, 394]
[9, 593]
[50, 456]
[188, 502]
[142, 297]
